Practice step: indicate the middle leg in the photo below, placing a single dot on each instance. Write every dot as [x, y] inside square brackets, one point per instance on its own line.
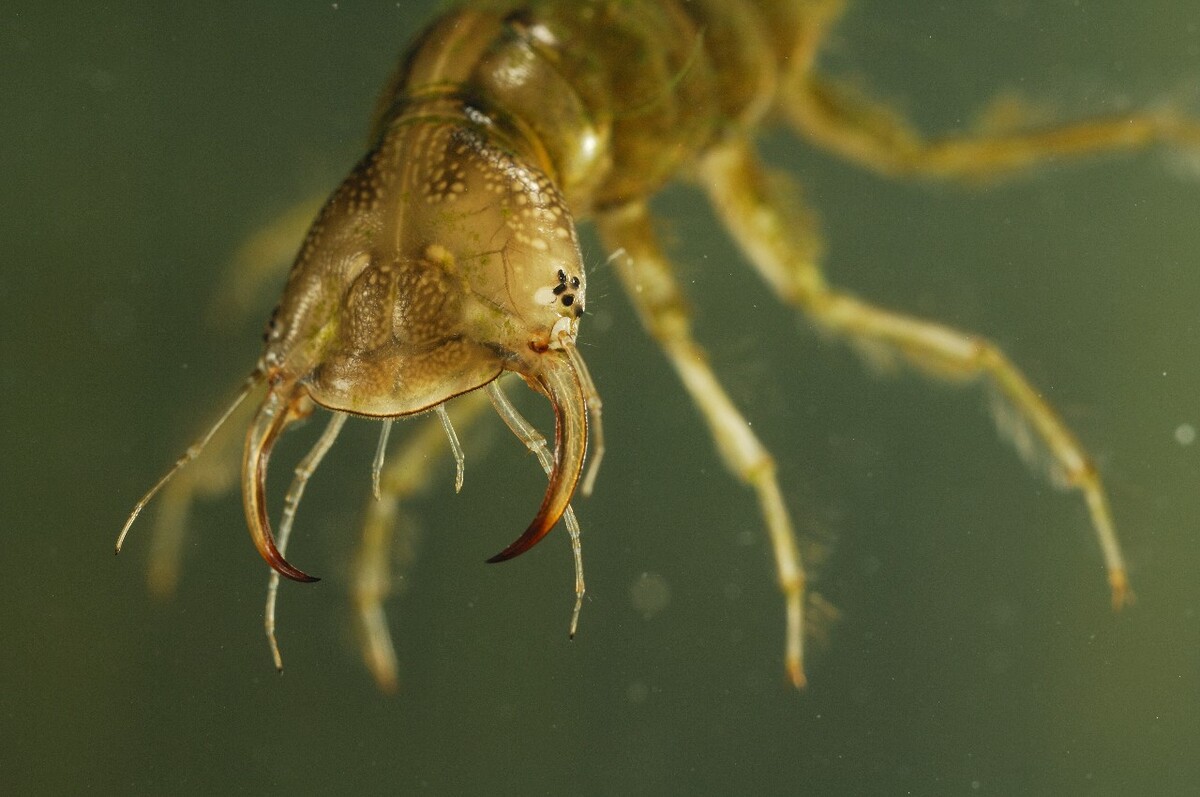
[651, 285]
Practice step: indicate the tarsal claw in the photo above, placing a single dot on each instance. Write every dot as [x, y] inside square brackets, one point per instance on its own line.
[560, 382]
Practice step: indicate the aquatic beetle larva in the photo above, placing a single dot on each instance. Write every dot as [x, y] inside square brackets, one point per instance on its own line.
[449, 257]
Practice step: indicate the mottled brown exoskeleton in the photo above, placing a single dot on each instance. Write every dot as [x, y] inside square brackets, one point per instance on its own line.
[449, 255]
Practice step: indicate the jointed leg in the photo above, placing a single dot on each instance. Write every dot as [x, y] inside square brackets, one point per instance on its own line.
[181, 484]
[455, 446]
[742, 196]
[385, 432]
[591, 397]
[262, 257]
[407, 473]
[653, 288]
[536, 443]
[211, 475]
[837, 117]
[304, 471]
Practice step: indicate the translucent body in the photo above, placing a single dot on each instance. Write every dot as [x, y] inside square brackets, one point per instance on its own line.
[449, 255]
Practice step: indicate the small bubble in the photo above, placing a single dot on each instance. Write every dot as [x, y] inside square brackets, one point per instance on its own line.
[649, 594]
[637, 692]
[101, 80]
[1185, 434]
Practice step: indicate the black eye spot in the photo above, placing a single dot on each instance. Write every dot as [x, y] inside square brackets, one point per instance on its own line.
[574, 282]
[568, 300]
[558, 289]
[562, 276]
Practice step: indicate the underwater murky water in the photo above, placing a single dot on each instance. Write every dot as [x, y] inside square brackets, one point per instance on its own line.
[975, 650]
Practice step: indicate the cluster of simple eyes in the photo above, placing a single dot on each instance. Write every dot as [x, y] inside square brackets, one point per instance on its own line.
[565, 289]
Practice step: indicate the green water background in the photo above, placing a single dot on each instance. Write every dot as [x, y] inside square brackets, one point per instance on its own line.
[976, 651]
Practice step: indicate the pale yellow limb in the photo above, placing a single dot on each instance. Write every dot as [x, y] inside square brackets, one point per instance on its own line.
[406, 474]
[209, 476]
[743, 197]
[456, 448]
[595, 427]
[535, 442]
[304, 471]
[170, 529]
[385, 431]
[840, 119]
[261, 259]
[649, 280]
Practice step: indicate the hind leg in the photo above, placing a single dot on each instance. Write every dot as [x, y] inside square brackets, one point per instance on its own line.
[837, 117]
[756, 217]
